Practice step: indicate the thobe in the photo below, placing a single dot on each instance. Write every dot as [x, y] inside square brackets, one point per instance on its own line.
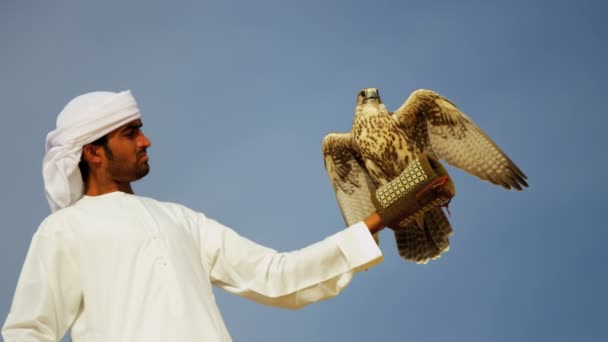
[120, 267]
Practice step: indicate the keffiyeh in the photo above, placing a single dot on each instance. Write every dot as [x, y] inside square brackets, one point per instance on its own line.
[85, 119]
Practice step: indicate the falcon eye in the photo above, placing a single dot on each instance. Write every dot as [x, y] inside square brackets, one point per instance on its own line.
[362, 93]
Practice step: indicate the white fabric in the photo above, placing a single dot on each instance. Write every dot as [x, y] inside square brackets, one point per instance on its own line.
[125, 268]
[85, 119]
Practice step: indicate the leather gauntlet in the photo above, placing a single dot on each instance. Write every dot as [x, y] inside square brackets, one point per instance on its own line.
[424, 184]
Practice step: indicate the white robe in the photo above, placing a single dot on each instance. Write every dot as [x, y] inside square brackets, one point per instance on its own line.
[120, 267]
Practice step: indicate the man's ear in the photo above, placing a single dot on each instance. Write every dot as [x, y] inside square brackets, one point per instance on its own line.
[92, 154]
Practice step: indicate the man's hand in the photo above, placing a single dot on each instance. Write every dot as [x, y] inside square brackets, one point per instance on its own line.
[423, 185]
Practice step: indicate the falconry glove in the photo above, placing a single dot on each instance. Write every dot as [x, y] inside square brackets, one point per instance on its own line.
[423, 185]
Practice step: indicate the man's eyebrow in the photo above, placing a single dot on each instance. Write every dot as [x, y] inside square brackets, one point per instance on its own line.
[132, 126]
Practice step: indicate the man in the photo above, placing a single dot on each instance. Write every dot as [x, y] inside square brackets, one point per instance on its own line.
[113, 266]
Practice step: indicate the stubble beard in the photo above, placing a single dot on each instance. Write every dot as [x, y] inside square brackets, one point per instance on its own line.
[142, 170]
[128, 174]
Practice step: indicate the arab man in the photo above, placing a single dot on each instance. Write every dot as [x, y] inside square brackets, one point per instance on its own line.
[113, 266]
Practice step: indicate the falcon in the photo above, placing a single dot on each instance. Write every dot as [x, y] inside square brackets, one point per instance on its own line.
[382, 144]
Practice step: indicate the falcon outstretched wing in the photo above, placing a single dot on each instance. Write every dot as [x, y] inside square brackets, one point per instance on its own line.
[349, 178]
[432, 122]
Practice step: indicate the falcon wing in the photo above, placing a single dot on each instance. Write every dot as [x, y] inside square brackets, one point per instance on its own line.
[434, 123]
[349, 178]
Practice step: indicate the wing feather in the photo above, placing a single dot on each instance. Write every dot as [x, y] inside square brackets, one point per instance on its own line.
[349, 178]
[436, 124]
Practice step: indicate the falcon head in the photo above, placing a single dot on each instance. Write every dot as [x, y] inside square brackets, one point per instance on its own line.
[369, 102]
[368, 95]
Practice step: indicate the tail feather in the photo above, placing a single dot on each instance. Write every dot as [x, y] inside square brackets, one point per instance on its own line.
[429, 241]
[439, 228]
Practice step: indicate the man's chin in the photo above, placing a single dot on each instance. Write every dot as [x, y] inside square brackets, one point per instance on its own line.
[143, 171]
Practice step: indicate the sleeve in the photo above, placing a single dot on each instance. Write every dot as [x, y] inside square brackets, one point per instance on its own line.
[48, 296]
[289, 280]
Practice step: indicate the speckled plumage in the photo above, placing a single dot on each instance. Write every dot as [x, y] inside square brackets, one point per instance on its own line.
[380, 146]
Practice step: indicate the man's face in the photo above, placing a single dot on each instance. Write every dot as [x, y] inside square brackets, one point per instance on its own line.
[128, 160]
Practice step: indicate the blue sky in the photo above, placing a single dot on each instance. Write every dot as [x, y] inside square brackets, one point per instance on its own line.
[236, 97]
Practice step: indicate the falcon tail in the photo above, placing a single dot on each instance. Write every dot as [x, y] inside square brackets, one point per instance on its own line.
[420, 243]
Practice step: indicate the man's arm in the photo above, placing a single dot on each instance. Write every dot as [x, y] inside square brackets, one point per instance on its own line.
[47, 297]
[322, 270]
[292, 279]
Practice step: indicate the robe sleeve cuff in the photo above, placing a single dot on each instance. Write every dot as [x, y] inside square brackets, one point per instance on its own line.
[359, 247]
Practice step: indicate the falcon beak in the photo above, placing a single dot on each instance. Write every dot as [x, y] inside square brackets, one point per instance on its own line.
[371, 94]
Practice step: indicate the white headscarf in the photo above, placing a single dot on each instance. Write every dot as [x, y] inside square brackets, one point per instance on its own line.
[85, 119]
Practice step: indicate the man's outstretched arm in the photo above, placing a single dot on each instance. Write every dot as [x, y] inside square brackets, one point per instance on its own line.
[288, 279]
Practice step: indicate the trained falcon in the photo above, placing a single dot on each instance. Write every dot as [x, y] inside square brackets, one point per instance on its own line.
[382, 144]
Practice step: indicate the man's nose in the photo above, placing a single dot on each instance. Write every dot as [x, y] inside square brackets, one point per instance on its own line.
[144, 142]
